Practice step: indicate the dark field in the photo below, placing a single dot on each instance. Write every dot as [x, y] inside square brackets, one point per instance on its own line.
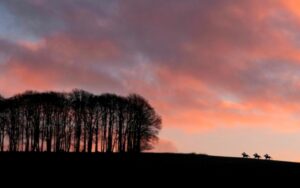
[71, 163]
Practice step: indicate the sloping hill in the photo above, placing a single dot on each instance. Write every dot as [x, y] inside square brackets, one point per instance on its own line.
[172, 163]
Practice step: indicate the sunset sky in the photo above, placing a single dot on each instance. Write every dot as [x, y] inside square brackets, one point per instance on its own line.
[223, 74]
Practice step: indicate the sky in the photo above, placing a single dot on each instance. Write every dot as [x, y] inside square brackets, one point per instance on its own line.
[223, 74]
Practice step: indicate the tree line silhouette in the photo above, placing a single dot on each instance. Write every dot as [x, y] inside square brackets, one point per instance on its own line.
[77, 122]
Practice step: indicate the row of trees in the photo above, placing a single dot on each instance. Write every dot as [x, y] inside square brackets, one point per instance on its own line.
[78, 121]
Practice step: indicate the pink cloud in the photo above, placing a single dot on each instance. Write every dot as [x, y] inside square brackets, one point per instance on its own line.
[165, 146]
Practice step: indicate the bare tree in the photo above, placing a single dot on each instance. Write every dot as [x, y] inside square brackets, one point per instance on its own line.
[78, 121]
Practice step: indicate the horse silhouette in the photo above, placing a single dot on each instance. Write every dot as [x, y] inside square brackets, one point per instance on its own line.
[267, 157]
[256, 156]
[245, 155]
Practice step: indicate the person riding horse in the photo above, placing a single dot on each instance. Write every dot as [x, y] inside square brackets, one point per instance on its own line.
[267, 157]
[256, 156]
[245, 155]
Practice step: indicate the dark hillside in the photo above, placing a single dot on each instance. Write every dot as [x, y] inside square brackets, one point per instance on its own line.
[171, 163]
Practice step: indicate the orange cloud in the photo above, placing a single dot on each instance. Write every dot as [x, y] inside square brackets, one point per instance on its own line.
[165, 146]
[293, 6]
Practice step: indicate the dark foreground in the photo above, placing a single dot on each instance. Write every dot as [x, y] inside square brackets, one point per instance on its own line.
[72, 163]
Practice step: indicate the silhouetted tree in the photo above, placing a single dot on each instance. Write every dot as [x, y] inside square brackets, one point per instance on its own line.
[145, 124]
[3, 118]
[78, 121]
